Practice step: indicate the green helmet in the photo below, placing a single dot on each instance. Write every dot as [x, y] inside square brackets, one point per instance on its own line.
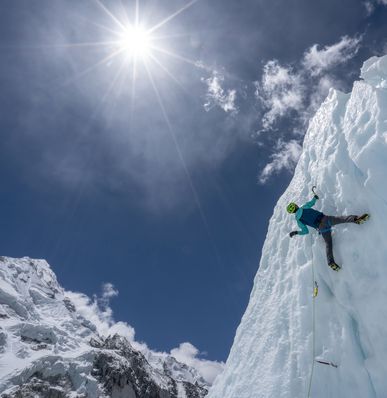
[291, 208]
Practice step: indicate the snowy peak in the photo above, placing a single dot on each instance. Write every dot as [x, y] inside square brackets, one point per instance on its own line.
[374, 72]
[170, 366]
[279, 340]
[25, 284]
[34, 308]
[49, 348]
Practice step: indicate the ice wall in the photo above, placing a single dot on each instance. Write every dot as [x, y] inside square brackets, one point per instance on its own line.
[345, 155]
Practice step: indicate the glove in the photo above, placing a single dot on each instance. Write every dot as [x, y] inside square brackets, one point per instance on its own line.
[316, 196]
[293, 233]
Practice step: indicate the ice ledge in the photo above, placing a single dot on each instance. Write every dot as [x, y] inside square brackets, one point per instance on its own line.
[27, 273]
[374, 71]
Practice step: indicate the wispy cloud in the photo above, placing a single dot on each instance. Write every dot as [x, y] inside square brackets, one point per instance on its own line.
[369, 6]
[296, 91]
[280, 91]
[108, 292]
[98, 311]
[217, 96]
[301, 88]
[318, 60]
[285, 157]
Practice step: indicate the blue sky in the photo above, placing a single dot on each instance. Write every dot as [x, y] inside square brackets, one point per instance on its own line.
[163, 184]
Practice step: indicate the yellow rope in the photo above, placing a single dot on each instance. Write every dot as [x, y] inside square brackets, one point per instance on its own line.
[315, 291]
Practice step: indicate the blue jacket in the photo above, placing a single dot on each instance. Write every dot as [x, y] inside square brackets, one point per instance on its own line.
[305, 215]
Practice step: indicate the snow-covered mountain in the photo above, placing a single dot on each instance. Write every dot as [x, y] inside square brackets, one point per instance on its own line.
[49, 349]
[345, 155]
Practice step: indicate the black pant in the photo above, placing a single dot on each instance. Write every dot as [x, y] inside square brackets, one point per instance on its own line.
[325, 224]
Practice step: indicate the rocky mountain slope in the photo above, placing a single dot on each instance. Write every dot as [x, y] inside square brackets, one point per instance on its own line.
[49, 350]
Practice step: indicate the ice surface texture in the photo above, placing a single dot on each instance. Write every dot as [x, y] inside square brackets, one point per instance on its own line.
[345, 155]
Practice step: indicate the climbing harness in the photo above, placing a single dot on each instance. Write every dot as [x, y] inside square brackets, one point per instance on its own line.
[327, 229]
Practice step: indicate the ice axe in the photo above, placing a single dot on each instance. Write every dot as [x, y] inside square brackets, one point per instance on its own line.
[314, 192]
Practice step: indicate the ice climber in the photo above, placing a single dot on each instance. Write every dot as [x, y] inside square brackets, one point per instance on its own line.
[305, 215]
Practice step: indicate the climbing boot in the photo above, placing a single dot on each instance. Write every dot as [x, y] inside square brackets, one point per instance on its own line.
[362, 219]
[334, 266]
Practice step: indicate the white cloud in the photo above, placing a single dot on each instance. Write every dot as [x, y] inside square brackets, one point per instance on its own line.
[188, 354]
[108, 292]
[280, 90]
[317, 61]
[98, 311]
[123, 329]
[217, 96]
[90, 310]
[284, 89]
[369, 6]
[285, 157]
[298, 91]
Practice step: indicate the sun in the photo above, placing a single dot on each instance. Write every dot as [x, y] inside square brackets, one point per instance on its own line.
[133, 46]
[135, 41]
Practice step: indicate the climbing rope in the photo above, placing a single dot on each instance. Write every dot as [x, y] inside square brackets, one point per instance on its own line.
[315, 292]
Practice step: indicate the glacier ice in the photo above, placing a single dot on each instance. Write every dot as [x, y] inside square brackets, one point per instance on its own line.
[345, 155]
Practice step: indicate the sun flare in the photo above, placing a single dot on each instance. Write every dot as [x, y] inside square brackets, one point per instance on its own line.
[133, 47]
[135, 41]
[137, 51]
